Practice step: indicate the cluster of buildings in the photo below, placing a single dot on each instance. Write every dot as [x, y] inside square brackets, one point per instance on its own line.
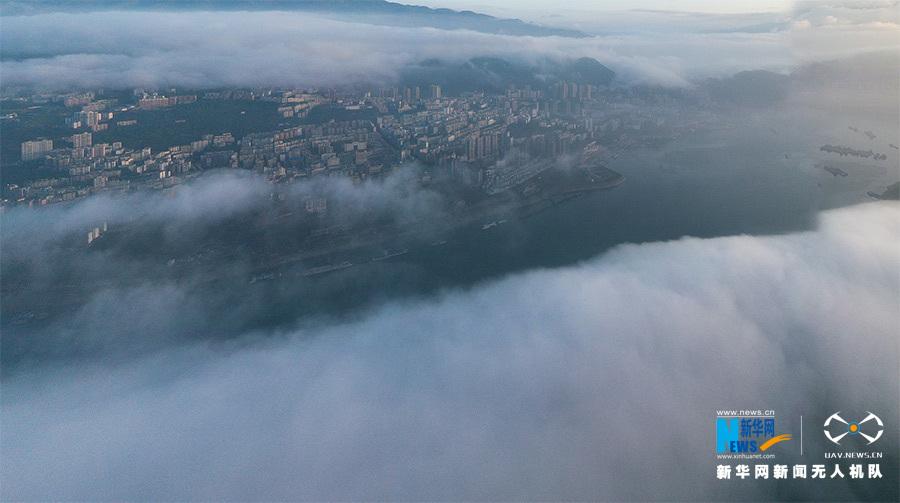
[351, 148]
[82, 168]
[487, 141]
[36, 149]
[94, 115]
[497, 141]
[156, 101]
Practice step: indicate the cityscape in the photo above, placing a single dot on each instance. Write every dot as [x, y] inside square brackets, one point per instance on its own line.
[363, 250]
[479, 140]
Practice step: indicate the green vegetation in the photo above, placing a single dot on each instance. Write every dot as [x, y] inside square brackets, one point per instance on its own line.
[161, 129]
[157, 129]
[324, 113]
[46, 120]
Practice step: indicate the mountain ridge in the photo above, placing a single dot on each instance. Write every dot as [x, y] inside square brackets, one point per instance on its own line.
[379, 12]
[491, 73]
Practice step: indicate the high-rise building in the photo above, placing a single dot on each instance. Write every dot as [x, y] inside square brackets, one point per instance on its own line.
[92, 118]
[81, 140]
[35, 149]
[435, 91]
[585, 91]
[483, 145]
[100, 150]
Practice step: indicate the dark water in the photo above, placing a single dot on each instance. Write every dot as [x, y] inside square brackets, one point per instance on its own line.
[717, 183]
[705, 186]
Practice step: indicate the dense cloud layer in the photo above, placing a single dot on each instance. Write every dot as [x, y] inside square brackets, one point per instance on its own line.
[209, 200]
[130, 49]
[176, 264]
[598, 381]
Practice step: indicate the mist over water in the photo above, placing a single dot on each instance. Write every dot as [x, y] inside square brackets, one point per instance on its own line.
[760, 178]
[540, 359]
[519, 389]
[579, 353]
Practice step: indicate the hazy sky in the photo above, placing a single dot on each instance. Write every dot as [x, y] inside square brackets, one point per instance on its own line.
[716, 6]
[250, 49]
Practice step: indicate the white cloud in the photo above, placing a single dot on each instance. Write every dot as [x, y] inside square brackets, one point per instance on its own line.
[125, 49]
[598, 381]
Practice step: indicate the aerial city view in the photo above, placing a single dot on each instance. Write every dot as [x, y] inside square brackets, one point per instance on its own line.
[312, 250]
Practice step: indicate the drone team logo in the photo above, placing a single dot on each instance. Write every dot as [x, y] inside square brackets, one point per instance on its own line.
[837, 428]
